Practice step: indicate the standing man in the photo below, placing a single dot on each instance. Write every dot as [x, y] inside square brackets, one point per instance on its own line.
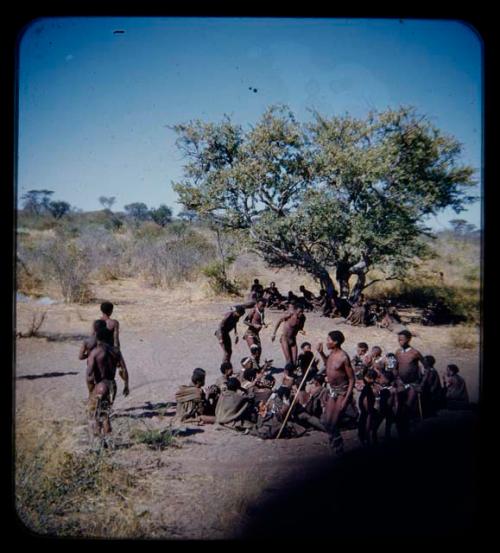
[409, 360]
[294, 323]
[227, 324]
[255, 322]
[340, 384]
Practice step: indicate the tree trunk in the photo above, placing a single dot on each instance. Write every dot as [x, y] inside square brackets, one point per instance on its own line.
[358, 287]
[327, 283]
[342, 275]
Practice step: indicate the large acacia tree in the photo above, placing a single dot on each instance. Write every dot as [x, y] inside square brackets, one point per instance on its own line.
[335, 197]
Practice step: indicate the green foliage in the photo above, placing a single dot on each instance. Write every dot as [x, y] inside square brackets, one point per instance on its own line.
[338, 192]
[219, 282]
[162, 215]
[154, 439]
[137, 211]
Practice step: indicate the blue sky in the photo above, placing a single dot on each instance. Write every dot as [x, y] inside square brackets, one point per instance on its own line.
[94, 106]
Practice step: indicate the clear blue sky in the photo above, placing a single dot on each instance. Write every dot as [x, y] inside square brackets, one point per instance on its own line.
[94, 105]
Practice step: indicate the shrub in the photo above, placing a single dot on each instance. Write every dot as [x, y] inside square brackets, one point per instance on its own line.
[219, 282]
[154, 439]
[464, 337]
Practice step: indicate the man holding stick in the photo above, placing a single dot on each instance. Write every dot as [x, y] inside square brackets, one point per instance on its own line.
[340, 385]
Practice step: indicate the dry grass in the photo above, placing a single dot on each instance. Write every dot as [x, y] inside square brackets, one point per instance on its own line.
[464, 337]
[63, 493]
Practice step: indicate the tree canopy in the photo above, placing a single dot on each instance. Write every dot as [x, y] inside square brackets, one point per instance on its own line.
[336, 193]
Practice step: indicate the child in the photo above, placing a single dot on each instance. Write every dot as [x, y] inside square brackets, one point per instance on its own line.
[304, 360]
[456, 390]
[226, 369]
[367, 430]
[432, 391]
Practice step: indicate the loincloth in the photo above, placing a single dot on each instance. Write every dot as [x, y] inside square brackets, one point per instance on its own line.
[337, 391]
[288, 340]
[252, 334]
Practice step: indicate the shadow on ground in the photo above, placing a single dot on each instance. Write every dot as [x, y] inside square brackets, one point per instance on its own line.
[426, 486]
[44, 375]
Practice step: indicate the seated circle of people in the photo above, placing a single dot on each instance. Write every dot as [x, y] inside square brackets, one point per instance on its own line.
[373, 387]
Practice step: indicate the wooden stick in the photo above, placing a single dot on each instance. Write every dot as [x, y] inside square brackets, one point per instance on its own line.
[420, 406]
[296, 397]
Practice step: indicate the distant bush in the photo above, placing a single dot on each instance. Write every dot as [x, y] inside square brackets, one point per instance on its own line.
[169, 259]
[218, 279]
[154, 439]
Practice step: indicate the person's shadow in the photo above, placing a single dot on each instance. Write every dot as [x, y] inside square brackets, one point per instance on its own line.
[44, 375]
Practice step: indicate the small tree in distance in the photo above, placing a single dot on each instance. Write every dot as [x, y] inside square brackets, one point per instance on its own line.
[107, 201]
[162, 215]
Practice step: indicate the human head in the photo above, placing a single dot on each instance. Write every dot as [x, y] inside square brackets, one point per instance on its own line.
[239, 310]
[272, 285]
[299, 309]
[226, 368]
[256, 281]
[233, 384]
[261, 303]
[404, 337]
[269, 379]
[198, 377]
[370, 376]
[249, 374]
[452, 369]
[318, 380]
[302, 287]
[430, 360]
[289, 369]
[246, 362]
[107, 308]
[386, 377]
[377, 351]
[335, 338]
[255, 351]
[305, 346]
[283, 392]
[362, 348]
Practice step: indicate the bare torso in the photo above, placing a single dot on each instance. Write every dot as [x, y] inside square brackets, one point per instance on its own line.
[408, 365]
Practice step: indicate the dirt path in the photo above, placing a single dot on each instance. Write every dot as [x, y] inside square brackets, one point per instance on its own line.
[206, 487]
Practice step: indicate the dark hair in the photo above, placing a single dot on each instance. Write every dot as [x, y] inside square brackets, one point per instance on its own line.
[198, 376]
[319, 378]
[225, 366]
[103, 334]
[233, 384]
[262, 300]
[272, 283]
[406, 333]
[245, 360]
[255, 347]
[269, 377]
[388, 375]
[301, 287]
[239, 309]
[283, 391]
[370, 373]
[256, 281]
[390, 354]
[289, 368]
[337, 336]
[363, 345]
[430, 360]
[249, 374]
[453, 368]
[107, 308]
[304, 344]
[377, 347]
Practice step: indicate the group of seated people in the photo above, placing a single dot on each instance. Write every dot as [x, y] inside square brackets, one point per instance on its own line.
[361, 313]
[252, 401]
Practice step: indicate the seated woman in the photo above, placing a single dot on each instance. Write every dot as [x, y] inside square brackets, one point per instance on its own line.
[456, 393]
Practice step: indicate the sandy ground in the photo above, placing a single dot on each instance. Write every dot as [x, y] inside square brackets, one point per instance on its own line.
[206, 487]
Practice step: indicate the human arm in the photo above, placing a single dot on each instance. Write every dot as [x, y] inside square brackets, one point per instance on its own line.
[350, 375]
[123, 372]
[84, 352]
[285, 318]
[116, 334]
[319, 348]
